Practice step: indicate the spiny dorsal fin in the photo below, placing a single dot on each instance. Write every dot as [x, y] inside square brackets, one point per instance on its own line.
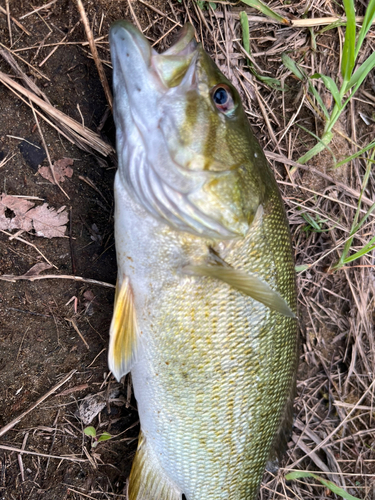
[124, 341]
[249, 284]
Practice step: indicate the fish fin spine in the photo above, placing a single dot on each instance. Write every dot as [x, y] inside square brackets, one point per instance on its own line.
[147, 479]
[124, 337]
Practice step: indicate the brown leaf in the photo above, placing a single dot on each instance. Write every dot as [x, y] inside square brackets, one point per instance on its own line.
[37, 269]
[17, 219]
[48, 222]
[18, 213]
[61, 168]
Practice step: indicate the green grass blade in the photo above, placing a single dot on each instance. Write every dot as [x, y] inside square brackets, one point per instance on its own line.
[292, 66]
[361, 72]
[245, 31]
[272, 82]
[299, 73]
[331, 86]
[319, 100]
[257, 4]
[369, 17]
[366, 249]
[322, 144]
[328, 484]
[348, 54]
[355, 155]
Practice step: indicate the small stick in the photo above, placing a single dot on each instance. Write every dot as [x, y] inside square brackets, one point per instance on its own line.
[8, 19]
[23, 338]
[24, 61]
[30, 244]
[3, 11]
[57, 46]
[13, 278]
[94, 52]
[18, 450]
[15, 421]
[85, 134]
[46, 6]
[47, 152]
[160, 12]
[295, 23]
[77, 330]
[134, 16]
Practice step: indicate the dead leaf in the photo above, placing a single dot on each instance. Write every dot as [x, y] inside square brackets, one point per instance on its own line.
[18, 213]
[61, 168]
[37, 269]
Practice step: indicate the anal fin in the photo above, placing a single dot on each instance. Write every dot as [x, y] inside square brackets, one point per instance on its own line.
[147, 479]
[124, 341]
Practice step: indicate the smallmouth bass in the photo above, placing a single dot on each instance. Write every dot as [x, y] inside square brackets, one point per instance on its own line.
[205, 308]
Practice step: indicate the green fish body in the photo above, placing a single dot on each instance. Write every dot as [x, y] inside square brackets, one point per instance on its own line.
[205, 306]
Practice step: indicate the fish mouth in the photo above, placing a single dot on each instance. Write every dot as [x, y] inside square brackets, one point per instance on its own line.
[133, 52]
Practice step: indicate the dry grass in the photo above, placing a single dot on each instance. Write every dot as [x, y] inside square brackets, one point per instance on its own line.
[334, 431]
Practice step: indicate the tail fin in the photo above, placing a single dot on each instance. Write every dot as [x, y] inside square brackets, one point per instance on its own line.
[147, 479]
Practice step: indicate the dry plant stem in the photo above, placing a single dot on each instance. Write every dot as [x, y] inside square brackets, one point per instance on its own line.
[46, 6]
[326, 440]
[343, 187]
[295, 23]
[160, 12]
[13, 236]
[94, 52]
[14, 422]
[12, 278]
[25, 452]
[3, 11]
[134, 16]
[74, 324]
[47, 152]
[86, 135]
[9, 24]
[25, 62]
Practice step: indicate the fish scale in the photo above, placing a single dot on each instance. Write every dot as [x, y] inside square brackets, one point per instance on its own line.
[205, 306]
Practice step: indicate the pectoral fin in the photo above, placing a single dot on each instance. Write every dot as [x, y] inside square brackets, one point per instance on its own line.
[124, 341]
[249, 284]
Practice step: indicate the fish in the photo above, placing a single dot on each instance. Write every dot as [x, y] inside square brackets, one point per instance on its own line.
[205, 313]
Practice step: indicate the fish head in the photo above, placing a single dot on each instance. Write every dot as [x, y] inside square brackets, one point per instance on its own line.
[186, 150]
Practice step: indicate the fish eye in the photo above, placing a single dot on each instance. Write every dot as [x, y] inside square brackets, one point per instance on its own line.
[222, 98]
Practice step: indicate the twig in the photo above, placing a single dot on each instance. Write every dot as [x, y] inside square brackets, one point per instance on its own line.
[47, 152]
[84, 134]
[152, 7]
[13, 236]
[94, 52]
[25, 62]
[46, 6]
[8, 19]
[18, 450]
[294, 23]
[3, 11]
[79, 333]
[13, 278]
[343, 187]
[15, 421]
[134, 16]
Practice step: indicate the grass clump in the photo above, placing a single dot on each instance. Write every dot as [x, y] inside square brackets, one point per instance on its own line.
[351, 78]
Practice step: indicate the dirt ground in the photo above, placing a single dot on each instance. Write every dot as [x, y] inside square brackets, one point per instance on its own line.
[52, 328]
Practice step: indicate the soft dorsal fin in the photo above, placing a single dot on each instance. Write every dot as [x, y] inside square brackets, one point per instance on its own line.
[124, 341]
[249, 284]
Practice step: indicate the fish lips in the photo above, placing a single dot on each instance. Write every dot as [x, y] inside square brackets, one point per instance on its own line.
[139, 69]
